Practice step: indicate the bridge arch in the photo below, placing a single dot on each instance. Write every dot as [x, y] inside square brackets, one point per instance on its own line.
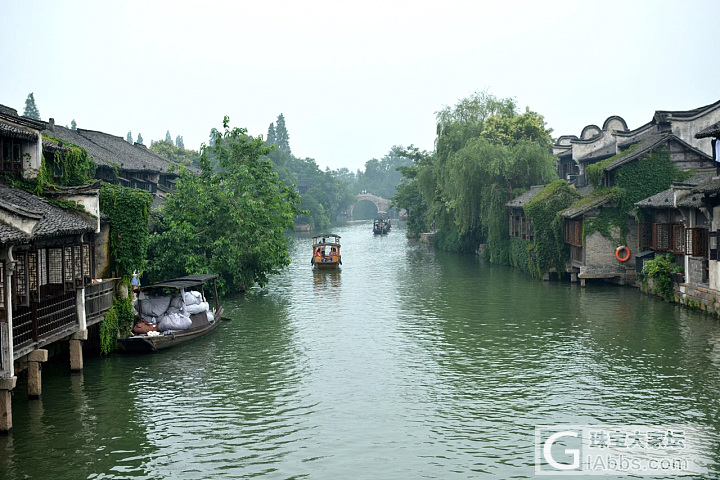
[382, 204]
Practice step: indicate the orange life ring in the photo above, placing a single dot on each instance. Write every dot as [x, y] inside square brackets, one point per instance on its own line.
[624, 258]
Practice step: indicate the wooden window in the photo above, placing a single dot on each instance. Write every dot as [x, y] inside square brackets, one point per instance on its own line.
[78, 266]
[678, 239]
[42, 267]
[661, 237]
[87, 258]
[55, 266]
[33, 286]
[20, 279]
[573, 232]
[10, 155]
[696, 242]
[645, 235]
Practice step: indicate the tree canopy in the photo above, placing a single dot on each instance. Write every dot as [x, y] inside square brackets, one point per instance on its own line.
[169, 150]
[31, 110]
[230, 222]
[486, 154]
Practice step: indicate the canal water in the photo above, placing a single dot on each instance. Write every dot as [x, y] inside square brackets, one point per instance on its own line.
[407, 364]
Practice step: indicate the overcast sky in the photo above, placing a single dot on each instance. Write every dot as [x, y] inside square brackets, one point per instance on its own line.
[352, 78]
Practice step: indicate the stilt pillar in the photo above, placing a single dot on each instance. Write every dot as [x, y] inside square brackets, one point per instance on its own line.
[573, 277]
[35, 359]
[7, 384]
[582, 282]
[76, 354]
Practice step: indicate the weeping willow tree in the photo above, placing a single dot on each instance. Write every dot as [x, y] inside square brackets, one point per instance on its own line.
[486, 154]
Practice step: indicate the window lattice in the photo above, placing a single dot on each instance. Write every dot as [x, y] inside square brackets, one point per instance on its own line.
[20, 275]
[32, 271]
[77, 260]
[55, 265]
[68, 263]
[86, 264]
[42, 267]
[678, 245]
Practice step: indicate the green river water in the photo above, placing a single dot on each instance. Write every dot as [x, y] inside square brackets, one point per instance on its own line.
[407, 364]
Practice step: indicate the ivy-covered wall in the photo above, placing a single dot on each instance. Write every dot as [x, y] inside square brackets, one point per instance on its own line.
[549, 250]
[129, 212]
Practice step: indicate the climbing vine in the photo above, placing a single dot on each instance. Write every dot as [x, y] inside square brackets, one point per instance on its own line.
[119, 319]
[74, 164]
[549, 249]
[634, 181]
[596, 172]
[129, 211]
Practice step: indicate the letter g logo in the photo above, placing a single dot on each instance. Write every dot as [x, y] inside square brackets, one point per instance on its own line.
[547, 451]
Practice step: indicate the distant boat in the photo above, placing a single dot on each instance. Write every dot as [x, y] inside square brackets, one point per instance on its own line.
[381, 224]
[326, 251]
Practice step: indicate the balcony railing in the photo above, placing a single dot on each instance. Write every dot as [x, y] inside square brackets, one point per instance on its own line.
[54, 318]
[98, 300]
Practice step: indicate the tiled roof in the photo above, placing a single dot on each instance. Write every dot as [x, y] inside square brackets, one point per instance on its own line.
[525, 197]
[53, 221]
[647, 146]
[711, 131]
[11, 131]
[666, 198]
[112, 151]
[585, 205]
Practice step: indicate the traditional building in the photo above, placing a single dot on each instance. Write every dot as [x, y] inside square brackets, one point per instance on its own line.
[122, 163]
[47, 267]
[677, 128]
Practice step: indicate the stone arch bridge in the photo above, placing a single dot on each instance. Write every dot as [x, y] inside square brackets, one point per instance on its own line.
[382, 204]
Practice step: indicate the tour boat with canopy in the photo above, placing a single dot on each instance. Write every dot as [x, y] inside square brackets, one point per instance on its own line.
[326, 251]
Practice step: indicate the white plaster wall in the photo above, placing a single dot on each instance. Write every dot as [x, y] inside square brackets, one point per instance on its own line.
[686, 130]
[91, 204]
[585, 150]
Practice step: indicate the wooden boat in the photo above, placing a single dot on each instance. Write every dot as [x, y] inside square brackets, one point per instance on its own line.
[380, 227]
[381, 224]
[326, 251]
[201, 325]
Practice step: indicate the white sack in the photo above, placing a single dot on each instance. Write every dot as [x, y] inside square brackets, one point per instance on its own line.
[201, 307]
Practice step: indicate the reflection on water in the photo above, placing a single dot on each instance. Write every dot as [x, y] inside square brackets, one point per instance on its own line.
[407, 364]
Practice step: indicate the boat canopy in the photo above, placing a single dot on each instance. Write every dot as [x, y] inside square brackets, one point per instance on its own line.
[182, 282]
[326, 238]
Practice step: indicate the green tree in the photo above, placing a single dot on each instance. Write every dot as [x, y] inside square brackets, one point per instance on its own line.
[271, 134]
[73, 125]
[167, 149]
[168, 137]
[139, 139]
[486, 154]
[408, 195]
[230, 222]
[31, 110]
[129, 137]
[282, 138]
[214, 135]
[179, 142]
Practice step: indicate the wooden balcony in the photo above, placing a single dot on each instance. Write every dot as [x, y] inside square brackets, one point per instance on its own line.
[56, 318]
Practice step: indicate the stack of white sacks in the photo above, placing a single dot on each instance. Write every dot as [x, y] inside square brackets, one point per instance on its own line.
[172, 312]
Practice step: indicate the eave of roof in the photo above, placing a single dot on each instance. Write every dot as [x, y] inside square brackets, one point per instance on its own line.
[711, 131]
[585, 205]
[525, 197]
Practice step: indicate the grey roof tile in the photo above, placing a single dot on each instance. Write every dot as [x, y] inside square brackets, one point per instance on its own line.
[54, 220]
